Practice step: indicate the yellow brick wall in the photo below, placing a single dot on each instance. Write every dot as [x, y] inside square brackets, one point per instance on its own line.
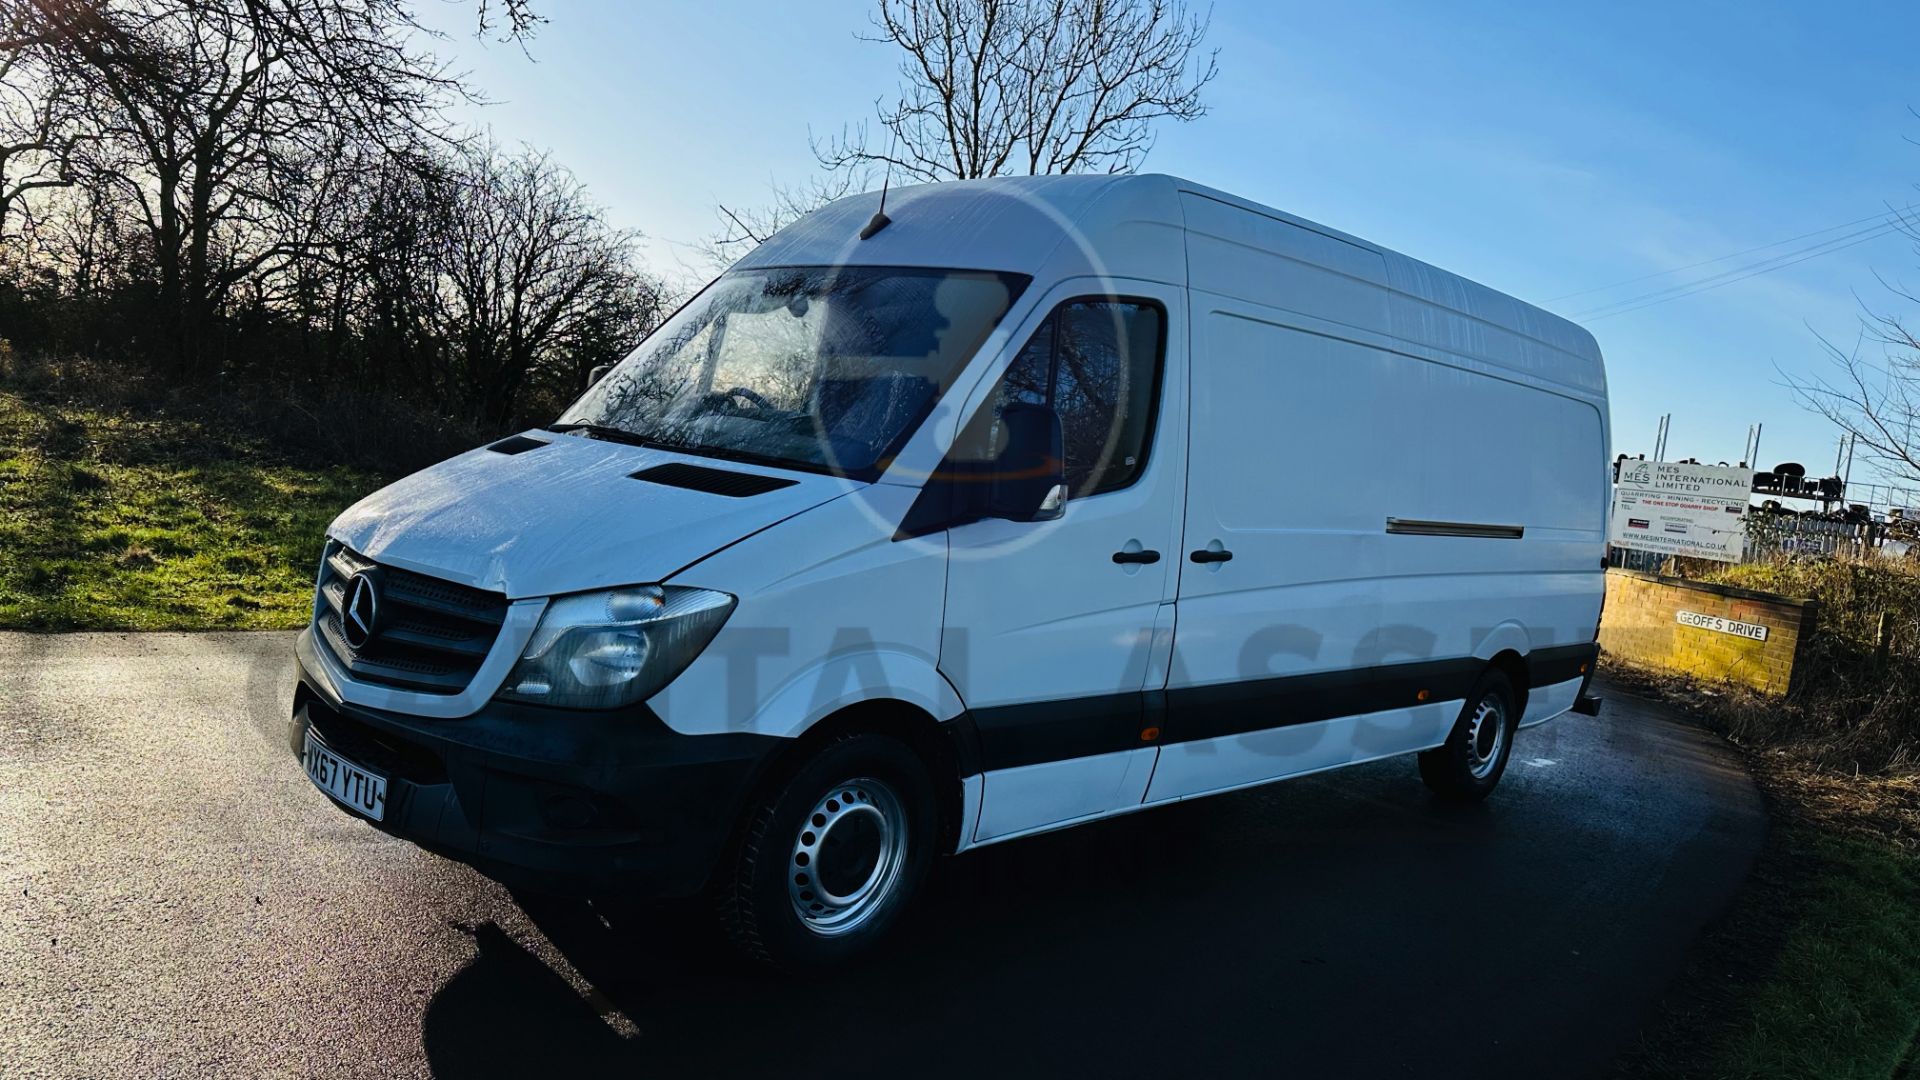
[1641, 626]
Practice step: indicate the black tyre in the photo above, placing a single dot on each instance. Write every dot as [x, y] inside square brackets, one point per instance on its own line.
[829, 856]
[1470, 763]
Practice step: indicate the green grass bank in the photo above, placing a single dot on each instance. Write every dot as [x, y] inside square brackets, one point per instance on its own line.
[112, 519]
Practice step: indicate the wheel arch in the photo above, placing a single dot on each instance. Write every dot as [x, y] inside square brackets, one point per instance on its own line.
[1512, 664]
[1505, 649]
[941, 747]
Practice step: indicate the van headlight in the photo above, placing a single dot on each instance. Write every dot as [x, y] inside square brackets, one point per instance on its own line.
[603, 650]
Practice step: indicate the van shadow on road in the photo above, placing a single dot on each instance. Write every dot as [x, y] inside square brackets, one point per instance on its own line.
[1049, 941]
[1344, 924]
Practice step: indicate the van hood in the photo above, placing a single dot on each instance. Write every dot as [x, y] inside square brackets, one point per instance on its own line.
[563, 516]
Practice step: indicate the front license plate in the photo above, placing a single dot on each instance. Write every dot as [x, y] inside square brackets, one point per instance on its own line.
[359, 790]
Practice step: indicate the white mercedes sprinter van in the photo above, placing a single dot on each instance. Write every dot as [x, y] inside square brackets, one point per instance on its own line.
[1018, 504]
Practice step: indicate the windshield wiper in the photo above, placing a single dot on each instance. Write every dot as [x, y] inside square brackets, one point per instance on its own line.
[610, 434]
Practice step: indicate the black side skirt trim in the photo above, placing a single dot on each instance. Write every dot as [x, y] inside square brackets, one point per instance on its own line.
[1561, 663]
[1208, 712]
[1034, 733]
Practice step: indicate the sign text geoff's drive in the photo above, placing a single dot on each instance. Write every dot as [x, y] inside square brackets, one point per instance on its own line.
[1725, 626]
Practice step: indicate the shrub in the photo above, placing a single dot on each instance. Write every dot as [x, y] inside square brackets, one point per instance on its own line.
[308, 426]
[1856, 699]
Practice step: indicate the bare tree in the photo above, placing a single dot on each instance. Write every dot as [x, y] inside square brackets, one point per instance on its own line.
[520, 20]
[207, 107]
[1030, 86]
[214, 120]
[268, 191]
[532, 283]
[1872, 392]
[743, 229]
[992, 87]
[41, 119]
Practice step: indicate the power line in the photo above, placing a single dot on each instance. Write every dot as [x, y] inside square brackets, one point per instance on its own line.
[1882, 216]
[1737, 274]
[1771, 262]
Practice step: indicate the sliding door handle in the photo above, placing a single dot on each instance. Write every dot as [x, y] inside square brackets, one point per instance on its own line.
[1144, 557]
[1206, 556]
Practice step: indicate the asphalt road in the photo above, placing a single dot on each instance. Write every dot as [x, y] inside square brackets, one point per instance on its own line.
[175, 900]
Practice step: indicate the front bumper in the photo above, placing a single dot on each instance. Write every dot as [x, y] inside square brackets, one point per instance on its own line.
[559, 800]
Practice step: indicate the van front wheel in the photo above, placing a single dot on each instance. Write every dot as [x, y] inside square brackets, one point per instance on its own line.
[828, 858]
[1468, 765]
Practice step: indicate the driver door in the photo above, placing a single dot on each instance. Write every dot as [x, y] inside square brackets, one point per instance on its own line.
[1052, 627]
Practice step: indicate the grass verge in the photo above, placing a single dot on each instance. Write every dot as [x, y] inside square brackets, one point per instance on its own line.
[1815, 972]
[1844, 997]
[116, 520]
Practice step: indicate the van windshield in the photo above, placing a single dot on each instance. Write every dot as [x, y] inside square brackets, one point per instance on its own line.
[820, 368]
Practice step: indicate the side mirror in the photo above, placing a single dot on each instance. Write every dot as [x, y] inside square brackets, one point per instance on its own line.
[1029, 475]
[594, 376]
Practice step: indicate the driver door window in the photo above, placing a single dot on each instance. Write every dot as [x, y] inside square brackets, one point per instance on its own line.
[1097, 363]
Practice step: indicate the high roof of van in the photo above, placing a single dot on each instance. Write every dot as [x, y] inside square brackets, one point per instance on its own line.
[1164, 228]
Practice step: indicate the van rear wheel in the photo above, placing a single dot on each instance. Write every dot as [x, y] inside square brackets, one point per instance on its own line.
[828, 858]
[1469, 764]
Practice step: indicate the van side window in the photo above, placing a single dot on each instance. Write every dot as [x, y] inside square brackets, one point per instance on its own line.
[1097, 362]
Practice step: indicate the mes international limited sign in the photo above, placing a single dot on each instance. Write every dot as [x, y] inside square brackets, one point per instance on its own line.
[1679, 509]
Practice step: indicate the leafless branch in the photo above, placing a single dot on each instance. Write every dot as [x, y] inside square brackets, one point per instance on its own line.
[1035, 86]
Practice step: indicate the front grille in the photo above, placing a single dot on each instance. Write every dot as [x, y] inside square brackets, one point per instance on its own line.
[431, 635]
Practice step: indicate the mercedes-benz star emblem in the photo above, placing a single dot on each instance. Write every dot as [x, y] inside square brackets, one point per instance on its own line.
[361, 620]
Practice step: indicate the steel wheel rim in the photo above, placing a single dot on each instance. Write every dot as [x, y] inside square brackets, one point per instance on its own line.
[847, 856]
[1486, 736]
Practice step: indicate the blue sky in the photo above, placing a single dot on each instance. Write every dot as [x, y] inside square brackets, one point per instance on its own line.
[1539, 148]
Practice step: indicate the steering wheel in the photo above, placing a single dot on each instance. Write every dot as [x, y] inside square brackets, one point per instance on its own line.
[751, 397]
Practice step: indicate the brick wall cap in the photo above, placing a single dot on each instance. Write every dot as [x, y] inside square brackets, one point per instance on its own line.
[1730, 591]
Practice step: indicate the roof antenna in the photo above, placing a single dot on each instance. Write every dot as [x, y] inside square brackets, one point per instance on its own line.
[880, 220]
